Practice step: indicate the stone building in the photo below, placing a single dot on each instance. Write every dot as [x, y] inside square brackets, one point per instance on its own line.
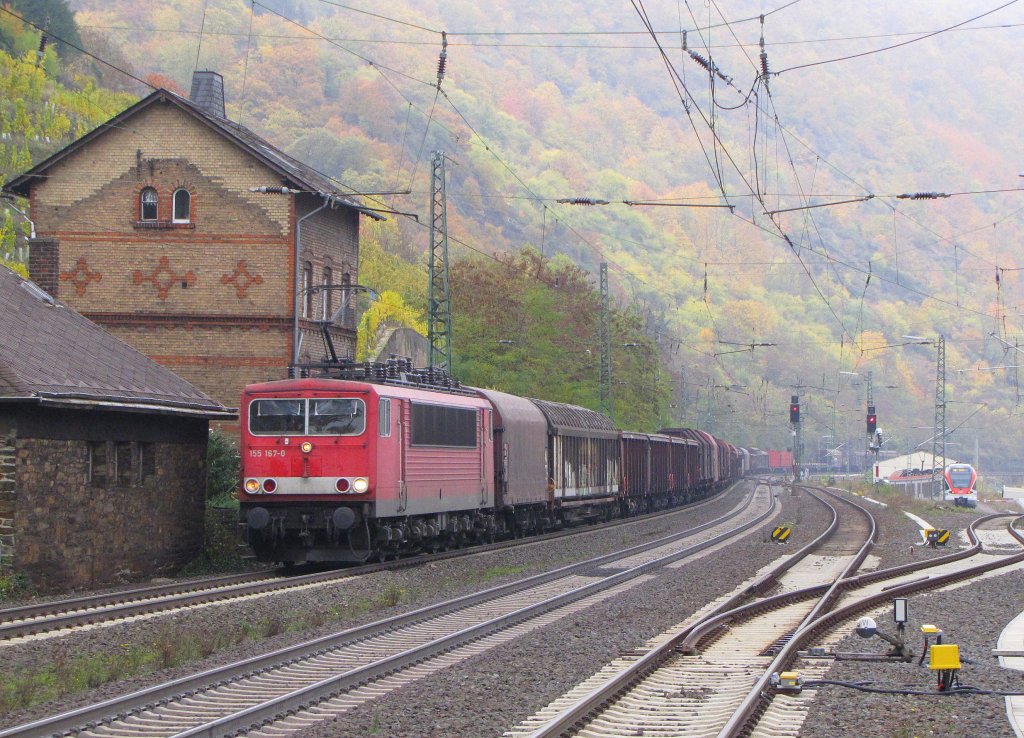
[153, 226]
[102, 451]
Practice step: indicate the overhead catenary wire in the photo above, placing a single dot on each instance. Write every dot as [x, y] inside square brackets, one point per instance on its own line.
[411, 103]
[48, 32]
[545, 214]
[394, 41]
[137, 79]
[896, 46]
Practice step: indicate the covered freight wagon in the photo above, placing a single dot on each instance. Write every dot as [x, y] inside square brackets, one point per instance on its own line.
[583, 460]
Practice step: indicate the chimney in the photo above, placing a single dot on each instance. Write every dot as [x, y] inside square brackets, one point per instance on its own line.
[208, 92]
[44, 263]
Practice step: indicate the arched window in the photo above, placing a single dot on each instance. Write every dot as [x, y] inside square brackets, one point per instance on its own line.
[327, 301]
[307, 293]
[182, 206]
[148, 204]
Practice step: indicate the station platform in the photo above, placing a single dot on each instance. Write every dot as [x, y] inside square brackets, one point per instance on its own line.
[1011, 641]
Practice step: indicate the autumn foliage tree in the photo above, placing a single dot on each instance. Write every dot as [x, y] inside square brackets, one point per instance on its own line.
[530, 326]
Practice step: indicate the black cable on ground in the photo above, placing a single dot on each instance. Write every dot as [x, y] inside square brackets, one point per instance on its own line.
[865, 687]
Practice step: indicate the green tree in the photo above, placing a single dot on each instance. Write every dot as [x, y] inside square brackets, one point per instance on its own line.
[388, 309]
[530, 326]
[53, 15]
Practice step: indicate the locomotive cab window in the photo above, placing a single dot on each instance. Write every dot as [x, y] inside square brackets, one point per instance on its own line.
[277, 417]
[337, 416]
[960, 476]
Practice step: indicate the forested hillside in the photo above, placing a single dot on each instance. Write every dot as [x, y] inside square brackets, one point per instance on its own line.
[802, 269]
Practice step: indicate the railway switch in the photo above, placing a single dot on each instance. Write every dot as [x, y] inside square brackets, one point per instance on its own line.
[867, 628]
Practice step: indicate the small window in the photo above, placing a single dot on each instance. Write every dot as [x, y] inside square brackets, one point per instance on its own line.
[145, 465]
[148, 204]
[339, 416]
[384, 418]
[98, 463]
[327, 306]
[182, 206]
[123, 464]
[307, 292]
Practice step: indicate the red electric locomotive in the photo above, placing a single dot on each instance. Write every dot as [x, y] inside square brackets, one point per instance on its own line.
[338, 470]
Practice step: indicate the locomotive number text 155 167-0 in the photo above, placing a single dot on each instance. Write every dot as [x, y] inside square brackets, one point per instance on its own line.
[266, 453]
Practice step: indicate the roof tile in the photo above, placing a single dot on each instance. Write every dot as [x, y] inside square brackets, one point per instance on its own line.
[56, 352]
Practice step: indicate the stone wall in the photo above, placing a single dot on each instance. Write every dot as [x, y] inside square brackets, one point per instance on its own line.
[402, 341]
[8, 501]
[123, 501]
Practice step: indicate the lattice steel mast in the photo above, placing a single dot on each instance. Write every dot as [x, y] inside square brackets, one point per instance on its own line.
[439, 323]
[939, 437]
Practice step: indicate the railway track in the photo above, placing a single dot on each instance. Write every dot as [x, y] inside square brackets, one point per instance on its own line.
[711, 676]
[321, 677]
[59, 617]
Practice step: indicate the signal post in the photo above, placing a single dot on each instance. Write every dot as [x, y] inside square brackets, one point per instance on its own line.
[794, 421]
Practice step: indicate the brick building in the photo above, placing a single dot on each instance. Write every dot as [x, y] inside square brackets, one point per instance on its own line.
[149, 226]
[102, 451]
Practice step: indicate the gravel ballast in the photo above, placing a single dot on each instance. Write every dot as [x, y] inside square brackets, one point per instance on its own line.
[494, 691]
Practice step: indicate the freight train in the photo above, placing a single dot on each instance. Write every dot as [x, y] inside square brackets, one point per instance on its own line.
[382, 459]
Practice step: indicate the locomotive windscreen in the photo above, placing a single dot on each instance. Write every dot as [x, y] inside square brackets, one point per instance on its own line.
[960, 476]
[332, 416]
[269, 417]
[337, 416]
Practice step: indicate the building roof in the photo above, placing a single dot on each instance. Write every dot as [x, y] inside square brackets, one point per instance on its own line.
[921, 460]
[52, 355]
[297, 174]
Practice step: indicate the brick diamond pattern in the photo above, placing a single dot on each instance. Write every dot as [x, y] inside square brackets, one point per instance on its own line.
[81, 276]
[163, 278]
[241, 279]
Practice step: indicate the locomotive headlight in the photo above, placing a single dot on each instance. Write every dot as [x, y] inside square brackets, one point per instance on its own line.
[252, 486]
[360, 485]
[306, 447]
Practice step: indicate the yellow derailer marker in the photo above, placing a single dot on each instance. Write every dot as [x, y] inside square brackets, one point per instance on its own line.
[781, 533]
[935, 536]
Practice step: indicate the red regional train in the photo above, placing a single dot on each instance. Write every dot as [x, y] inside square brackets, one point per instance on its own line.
[387, 460]
[960, 479]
